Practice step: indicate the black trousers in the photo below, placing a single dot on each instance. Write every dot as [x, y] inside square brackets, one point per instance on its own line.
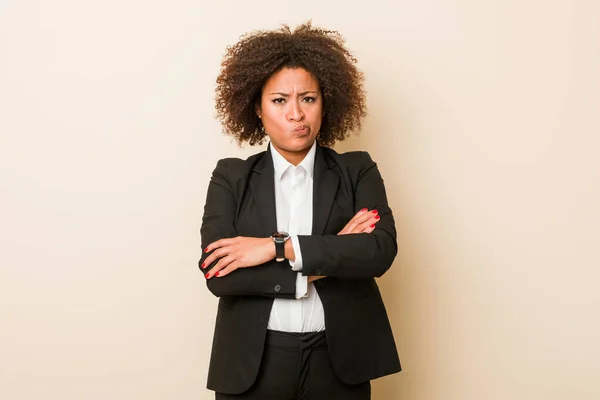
[297, 367]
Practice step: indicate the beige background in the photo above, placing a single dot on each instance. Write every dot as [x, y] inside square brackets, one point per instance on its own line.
[484, 121]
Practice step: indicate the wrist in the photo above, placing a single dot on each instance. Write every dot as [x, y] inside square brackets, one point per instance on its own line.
[313, 278]
[271, 248]
[289, 251]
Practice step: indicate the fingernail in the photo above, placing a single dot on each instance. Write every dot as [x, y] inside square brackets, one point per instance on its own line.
[217, 274]
[206, 250]
[377, 217]
[207, 274]
[374, 211]
[373, 226]
[203, 265]
[363, 210]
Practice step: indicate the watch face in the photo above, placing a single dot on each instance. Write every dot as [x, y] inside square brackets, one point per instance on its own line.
[280, 235]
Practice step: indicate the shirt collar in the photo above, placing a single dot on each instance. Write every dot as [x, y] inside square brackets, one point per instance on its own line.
[281, 165]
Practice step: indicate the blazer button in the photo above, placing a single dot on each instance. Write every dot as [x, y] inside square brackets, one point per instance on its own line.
[318, 271]
[277, 288]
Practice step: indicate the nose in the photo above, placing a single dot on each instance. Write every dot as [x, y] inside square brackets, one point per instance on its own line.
[295, 112]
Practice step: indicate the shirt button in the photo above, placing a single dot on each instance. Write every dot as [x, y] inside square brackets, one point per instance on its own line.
[318, 271]
[277, 288]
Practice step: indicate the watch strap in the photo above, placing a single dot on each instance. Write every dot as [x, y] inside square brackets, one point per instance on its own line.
[279, 238]
[280, 250]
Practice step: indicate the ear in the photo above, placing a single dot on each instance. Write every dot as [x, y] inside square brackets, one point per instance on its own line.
[257, 109]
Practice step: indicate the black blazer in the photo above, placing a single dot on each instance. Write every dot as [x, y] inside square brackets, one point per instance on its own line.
[241, 202]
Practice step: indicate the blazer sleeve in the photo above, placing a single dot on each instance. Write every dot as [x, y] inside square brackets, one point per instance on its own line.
[355, 256]
[271, 279]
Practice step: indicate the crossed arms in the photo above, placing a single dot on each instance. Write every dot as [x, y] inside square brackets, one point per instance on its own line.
[239, 266]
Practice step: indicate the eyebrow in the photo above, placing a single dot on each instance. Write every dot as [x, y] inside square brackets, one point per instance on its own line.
[287, 95]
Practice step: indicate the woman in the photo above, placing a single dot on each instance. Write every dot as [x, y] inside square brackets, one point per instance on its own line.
[294, 236]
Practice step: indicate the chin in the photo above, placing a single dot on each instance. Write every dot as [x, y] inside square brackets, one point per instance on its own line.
[299, 144]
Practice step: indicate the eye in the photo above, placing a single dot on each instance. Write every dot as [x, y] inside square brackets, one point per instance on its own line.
[279, 100]
[309, 99]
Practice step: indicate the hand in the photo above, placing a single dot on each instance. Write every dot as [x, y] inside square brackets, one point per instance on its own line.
[238, 252]
[363, 222]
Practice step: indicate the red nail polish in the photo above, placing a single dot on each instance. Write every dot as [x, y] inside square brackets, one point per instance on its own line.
[203, 265]
[363, 210]
[374, 211]
[206, 250]
[207, 274]
[217, 274]
[373, 226]
[377, 217]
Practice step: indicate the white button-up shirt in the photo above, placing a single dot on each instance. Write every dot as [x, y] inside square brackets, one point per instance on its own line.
[294, 208]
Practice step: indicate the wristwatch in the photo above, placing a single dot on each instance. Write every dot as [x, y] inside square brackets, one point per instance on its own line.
[279, 239]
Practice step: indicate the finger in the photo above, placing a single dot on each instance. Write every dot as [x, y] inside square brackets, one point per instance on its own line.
[223, 262]
[345, 230]
[366, 227]
[361, 217]
[359, 214]
[364, 217]
[213, 246]
[350, 224]
[359, 222]
[219, 243]
[360, 228]
[348, 228]
[218, 253]
[369, 229]
[371, 221]
[367, 224]
[230, 268]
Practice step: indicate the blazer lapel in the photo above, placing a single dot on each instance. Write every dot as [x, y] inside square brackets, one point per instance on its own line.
[262, 184]
[325, 185]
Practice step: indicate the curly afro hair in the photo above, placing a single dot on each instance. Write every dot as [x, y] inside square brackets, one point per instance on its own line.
[248, 64]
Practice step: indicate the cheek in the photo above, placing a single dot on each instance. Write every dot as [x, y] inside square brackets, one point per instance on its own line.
[316, 117]
[316, 112]
[271, 115]
[272, 124]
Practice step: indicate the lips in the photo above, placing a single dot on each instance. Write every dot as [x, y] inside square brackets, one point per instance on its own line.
[301, 129]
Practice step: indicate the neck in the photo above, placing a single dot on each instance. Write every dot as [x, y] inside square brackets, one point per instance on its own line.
[293, 157]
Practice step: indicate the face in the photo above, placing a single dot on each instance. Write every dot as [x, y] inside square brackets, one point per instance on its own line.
[291, 110]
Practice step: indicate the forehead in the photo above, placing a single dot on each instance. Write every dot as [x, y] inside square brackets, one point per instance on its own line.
[291, 79]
